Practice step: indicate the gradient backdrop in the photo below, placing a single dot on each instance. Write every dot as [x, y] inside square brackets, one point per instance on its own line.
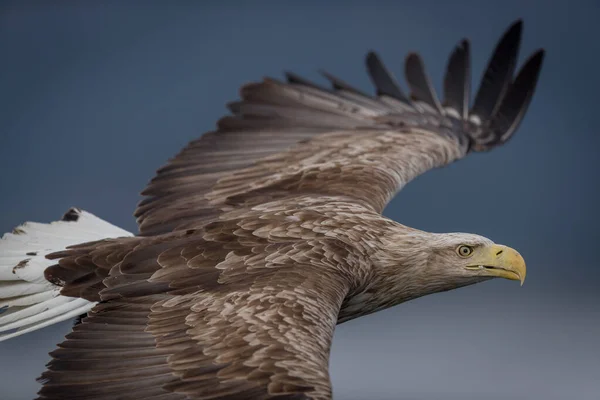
[94, 96]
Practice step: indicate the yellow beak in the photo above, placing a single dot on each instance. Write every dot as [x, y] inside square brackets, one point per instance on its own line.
[499, 261]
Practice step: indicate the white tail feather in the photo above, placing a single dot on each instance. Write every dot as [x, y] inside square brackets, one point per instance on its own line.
[27, 300]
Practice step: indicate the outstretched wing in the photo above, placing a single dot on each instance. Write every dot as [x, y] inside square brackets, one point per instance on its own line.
[293, 138]
[211, 314]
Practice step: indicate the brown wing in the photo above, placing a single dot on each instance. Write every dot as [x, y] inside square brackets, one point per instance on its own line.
[244, 308]
[266, 342]
[286, 139]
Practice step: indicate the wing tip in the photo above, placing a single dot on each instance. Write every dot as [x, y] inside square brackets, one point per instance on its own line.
[384, 81]
[501, 105]
[413, 57]
[487, 101]
[372, 56]
[519, 98]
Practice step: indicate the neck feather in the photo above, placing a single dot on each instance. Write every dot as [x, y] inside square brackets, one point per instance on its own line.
[402, 271]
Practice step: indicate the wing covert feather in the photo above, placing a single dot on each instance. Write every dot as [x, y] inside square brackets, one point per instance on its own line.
[270, 341]
[243, 308]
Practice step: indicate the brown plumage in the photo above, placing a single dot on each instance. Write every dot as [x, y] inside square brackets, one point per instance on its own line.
[259, 237]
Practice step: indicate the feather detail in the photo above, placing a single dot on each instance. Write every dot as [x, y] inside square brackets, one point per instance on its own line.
[498, 74]
[420, 86]
[457, 82]
[384, 81]
[340, 85]
[514, 105]
[27, 300]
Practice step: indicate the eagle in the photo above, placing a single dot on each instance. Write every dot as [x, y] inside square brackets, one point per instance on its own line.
[261, 236]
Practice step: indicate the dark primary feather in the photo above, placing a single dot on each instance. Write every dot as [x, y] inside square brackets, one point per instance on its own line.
[293, 78]
[517, 99]
[498, 74]
[384, 81]
[420, 86]
[339, 84]
[457, 81]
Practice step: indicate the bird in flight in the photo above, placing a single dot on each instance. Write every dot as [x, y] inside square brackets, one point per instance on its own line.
[260, 236]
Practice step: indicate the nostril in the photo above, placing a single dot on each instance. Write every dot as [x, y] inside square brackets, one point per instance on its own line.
[500, 252]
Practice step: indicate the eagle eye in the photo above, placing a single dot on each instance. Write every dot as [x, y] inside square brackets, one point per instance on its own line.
[464, 251]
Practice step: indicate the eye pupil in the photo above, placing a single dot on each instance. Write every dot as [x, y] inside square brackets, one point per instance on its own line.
[465, 250]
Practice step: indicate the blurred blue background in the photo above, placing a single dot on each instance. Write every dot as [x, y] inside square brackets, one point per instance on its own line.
[95, 96]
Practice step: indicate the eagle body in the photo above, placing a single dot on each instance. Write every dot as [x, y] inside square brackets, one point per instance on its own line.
[258, 238]
[260, 281]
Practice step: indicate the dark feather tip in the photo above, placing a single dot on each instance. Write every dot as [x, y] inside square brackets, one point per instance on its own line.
[72, 215]
[419, 83]
[384, 81]
[297, 79]
[499, 72]
[339, 84]
[457, 81]
[518, 97]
